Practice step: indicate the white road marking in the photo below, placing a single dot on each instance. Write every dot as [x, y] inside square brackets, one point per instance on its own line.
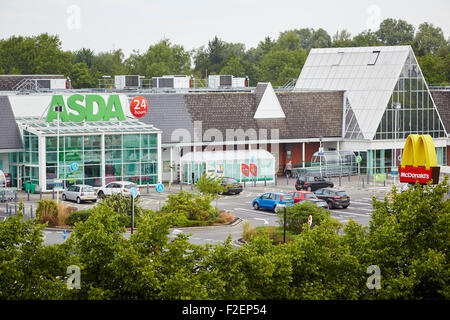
[359, 202]
[349, 213]
[256, 211]
[265, 221]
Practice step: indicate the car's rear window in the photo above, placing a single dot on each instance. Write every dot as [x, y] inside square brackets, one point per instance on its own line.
[310, 196]
[341, 193]
[286, 197]
[88, 189]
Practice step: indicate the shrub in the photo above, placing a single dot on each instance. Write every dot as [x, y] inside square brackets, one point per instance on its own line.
[225, 217]
[194, 206]
[46, 208]
[63, 213]
[78, 216]
[298, 214]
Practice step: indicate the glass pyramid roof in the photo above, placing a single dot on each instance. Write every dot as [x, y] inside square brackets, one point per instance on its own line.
[367, 74]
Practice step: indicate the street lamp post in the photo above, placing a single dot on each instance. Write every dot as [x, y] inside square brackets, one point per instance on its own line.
[58, 110]
[396, 107]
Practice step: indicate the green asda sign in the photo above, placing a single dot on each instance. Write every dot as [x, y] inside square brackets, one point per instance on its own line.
[80, 108]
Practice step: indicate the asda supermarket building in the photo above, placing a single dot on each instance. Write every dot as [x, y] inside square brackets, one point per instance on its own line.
[98, 138]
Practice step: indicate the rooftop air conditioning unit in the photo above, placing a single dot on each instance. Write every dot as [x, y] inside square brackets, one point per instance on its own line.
[175, 82]
[127, 82]
[225, 81]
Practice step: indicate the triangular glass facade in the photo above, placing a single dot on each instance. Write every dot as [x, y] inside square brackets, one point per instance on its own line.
[410, 109]
[352, 130]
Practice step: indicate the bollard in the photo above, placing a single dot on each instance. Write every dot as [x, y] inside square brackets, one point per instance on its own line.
[265, 181]
[53, 193]
[28, 195]
[15, 209]
[276, 180]
[287, 180]
[348, 175]
[181, 185]
[254, 182]
[363, 183]
[339, 179]
[148, 189]
[244, 182]
[40, 194]
[31, 211]
[7, 209]
[15, 196]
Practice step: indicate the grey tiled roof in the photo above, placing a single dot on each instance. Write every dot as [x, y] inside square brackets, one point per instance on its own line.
[9, 132]
[442, 101]
[167, 112]
[308, 114]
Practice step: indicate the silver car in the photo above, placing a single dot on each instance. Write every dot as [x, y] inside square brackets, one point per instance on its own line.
[79, 192]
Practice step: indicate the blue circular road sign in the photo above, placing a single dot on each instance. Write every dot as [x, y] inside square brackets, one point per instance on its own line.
[133, 192]
[159, 187]
[74, 166]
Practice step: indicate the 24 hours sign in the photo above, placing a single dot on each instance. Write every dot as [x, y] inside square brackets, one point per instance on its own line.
[139, 106]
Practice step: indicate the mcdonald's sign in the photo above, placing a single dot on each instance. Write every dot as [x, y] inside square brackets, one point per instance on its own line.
[419, 161]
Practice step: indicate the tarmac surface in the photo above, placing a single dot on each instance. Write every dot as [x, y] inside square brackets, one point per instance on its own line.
[360, 209]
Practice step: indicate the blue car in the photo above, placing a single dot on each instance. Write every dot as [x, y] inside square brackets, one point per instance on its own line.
[271, 200]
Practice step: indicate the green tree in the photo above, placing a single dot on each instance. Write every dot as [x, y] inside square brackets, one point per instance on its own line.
[28, 269]
[83, 55]
[408, 239]
[40, 54]
[234, 66]
[281, 65]
[394, 32]
[433, 68]
[320, 39]
[342, 39]
[428, 39]
[366, 39]
[81, 76]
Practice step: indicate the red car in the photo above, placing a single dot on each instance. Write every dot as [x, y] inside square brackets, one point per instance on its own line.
[301, 195]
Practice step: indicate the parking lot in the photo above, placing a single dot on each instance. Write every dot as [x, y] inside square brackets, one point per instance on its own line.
[240, 205]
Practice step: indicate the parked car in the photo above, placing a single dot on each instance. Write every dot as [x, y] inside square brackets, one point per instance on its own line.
[117, 187]
[317, 202]
[334, 198]
[231, 185]
[312, 183]
[301, 195]
[272, 200]
[79, 193]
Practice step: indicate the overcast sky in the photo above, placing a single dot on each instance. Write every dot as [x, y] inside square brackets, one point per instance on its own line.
[103, 25]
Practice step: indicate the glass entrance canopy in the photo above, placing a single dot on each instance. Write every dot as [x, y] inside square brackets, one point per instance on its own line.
[228, 164]
[92, 153]
[331, 163]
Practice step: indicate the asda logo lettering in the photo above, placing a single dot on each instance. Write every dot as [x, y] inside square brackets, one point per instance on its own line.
[81, 108]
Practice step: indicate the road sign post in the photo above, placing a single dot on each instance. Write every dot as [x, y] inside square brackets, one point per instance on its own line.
[134, 193]
[159, 188]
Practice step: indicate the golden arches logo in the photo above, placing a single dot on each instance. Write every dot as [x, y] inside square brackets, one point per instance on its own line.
[419, 161]
[419, 151]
